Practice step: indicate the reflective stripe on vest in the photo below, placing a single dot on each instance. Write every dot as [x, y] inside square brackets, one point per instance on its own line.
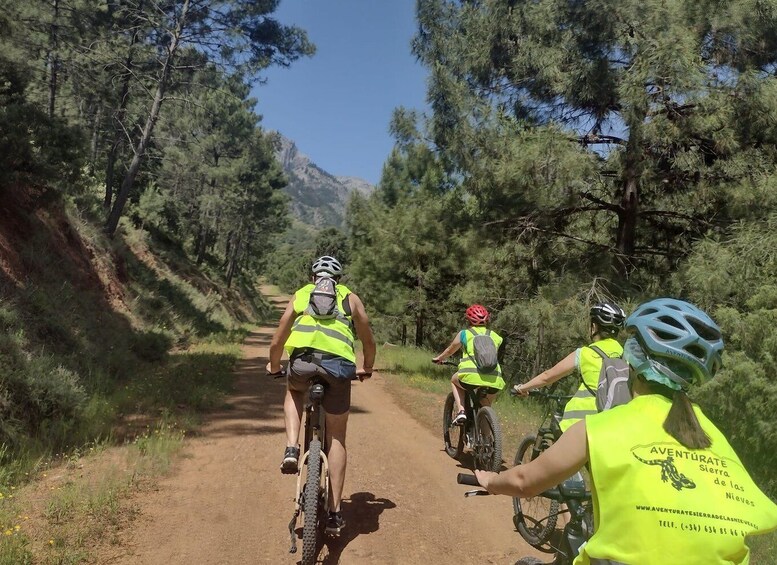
[584, 403]
[468, 370]
[657, 502]
[333, 336]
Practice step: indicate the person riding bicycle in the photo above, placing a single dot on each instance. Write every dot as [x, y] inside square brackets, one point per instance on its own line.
[606, 320]
[323, 348]
[667, 486]
[468, 373]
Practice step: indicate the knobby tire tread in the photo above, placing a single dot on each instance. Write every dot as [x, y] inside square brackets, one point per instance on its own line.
[533, 534]
[454, 447]
[488, 420]
[311, 510]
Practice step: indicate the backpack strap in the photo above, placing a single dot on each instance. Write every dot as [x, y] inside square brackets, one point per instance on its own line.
[347, 305]
[599, 352]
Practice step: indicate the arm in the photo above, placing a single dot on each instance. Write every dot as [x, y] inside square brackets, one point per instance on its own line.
[363, 330]
[553, 466]
[561, 369]
[280, 337]
[450, 350]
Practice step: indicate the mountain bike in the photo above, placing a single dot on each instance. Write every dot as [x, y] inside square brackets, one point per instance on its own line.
[535, 517]
[311, 498]
[481, 432]
[312, 491]
[574, 496]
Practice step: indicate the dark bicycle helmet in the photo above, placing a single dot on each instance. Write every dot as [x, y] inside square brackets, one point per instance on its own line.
[327, 264]
[608, 315]
[478, 315]
[677, 335]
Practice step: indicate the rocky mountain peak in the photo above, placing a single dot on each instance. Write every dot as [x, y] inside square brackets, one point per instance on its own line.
[318, 198]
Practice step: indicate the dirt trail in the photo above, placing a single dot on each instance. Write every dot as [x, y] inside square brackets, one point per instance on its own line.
[227, 503]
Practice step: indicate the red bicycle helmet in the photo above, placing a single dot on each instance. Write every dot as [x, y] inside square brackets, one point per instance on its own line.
[477, 315]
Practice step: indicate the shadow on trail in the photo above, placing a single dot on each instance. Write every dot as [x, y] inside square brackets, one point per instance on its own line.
[466, 461]
[361, 513]
[255, 406]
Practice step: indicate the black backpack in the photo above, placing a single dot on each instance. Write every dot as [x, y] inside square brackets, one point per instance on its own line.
[613, 387]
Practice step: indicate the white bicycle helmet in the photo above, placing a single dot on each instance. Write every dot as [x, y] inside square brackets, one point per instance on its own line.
[608, 315]
[327, 264]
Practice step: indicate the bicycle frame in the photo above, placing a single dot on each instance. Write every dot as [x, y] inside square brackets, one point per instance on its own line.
[577, 499]
[572, 492]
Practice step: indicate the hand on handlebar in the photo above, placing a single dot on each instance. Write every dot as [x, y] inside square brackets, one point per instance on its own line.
[518, 390]
[485, 477]
[363, 374]
[280, 372]
[437, 361]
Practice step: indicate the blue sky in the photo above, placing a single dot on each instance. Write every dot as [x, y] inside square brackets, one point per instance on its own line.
[337, 104]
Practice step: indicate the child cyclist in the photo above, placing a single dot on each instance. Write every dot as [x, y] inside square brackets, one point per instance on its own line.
[468, 373]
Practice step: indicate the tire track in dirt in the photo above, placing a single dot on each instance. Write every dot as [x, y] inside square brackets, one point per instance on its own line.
[226, 501]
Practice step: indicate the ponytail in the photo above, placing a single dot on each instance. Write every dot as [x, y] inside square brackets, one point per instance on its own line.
[681, 422]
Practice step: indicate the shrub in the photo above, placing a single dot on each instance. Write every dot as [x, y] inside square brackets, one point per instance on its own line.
[151, 346]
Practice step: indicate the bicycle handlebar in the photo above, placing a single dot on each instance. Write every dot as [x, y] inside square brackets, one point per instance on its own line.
[446, 362]
[466, 479]
[471, 480]
[541, 394]
[278, 375]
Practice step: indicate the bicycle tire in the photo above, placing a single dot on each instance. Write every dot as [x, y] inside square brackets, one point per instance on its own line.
[542, 513]
[312, 510]
[452, 436]
[490, 440]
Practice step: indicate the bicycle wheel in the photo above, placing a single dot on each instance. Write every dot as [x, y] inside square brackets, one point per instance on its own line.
[312, 508]
[489, 444]
[535, 517]
[452, 436]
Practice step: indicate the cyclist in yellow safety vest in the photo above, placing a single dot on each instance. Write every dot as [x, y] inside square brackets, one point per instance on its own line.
[668, 489]
[468, 373]
[322, 347]
[606, 320]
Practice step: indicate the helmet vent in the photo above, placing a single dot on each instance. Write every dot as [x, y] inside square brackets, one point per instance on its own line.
[704, 331]
[696, 350]
[671, 322]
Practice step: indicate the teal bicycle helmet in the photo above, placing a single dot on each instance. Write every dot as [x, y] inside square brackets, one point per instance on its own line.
[679, 340]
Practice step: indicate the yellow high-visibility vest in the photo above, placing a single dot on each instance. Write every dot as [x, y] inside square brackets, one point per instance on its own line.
[335, 336]
[657, 502]
[590, 364]
[468, 371]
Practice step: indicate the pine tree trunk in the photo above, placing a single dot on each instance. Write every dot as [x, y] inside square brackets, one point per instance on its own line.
[628, 212]
[148, 130]
[53, 57]
[119, 118]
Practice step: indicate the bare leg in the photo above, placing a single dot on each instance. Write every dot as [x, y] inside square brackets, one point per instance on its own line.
[458, 392]
[338, 457]
[292, 410]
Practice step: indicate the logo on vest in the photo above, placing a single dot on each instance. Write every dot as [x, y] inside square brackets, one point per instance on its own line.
[669, 472]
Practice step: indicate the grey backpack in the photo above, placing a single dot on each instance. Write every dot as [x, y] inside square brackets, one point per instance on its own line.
[323, 300]
[486, 355]
[613, 388]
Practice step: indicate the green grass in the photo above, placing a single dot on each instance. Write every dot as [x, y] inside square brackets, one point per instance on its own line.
[414, 368]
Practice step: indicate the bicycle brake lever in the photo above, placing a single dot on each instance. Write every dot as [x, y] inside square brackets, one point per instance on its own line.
[476, 493]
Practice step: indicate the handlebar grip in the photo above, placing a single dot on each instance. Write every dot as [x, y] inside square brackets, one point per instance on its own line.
[466, 479]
